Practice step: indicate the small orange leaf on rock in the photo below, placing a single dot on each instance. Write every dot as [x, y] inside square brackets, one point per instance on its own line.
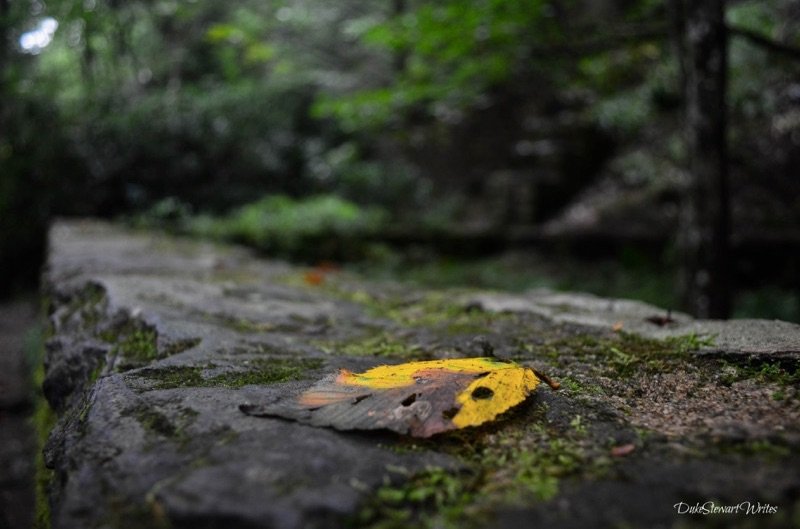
[314, 277]
[416, 398]
[623, 450]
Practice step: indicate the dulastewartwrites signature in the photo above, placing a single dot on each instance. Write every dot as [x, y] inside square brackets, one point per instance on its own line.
[709, 507]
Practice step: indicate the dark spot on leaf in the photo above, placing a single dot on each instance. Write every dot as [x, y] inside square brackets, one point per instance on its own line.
[450, 413]
[408, 401]
[482, 392]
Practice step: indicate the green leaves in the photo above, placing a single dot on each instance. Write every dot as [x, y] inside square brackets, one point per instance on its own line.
[452, 53]
[279, 224]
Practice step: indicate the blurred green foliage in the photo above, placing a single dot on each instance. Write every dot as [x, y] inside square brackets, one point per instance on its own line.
[449, 54]
[313, 228]
[354, 116]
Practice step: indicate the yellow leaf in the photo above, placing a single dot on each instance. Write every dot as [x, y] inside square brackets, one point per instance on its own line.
[416, 398]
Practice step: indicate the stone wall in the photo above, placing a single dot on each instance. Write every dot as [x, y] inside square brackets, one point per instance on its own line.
[155, 342]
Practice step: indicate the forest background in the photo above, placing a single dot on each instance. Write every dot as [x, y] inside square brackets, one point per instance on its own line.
[633, 148]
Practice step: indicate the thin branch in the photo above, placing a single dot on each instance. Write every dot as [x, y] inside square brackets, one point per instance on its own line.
[765, 42]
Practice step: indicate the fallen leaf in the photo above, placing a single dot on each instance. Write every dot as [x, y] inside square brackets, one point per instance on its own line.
[314, 277]
[317, 275]
[416, 398]
[617, 326]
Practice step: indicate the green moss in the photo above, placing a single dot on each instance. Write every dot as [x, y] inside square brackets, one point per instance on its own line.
[433, 498]
[259, 371]
[382, 344]
[174, 377]
[577, 387]
[622, 354]
[436, 310]
[96, 372]
[87, 305]
[558, 348]
[503, 476]
[578, 425]
[180, 346]
[134, 344]
[139, 346]
[536, 471]
[430, 310]
[527, 461]
[433, 310]
[82, 412]
[689, 342]
[133, 341]
[156, 423]
[779, 394]
[774, 372]
[267, 371]
[759, 447]
[244, 325]
[514, 461]
[43, 419]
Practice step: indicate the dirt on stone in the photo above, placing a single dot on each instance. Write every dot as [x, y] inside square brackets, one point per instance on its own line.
[694, 403]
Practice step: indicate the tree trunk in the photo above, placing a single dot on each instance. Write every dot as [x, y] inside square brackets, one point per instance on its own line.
[400, 56]
[706, 219]
[4, 5]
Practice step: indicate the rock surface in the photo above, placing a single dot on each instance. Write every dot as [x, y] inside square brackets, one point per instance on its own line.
[743, 336]
[156, 342]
